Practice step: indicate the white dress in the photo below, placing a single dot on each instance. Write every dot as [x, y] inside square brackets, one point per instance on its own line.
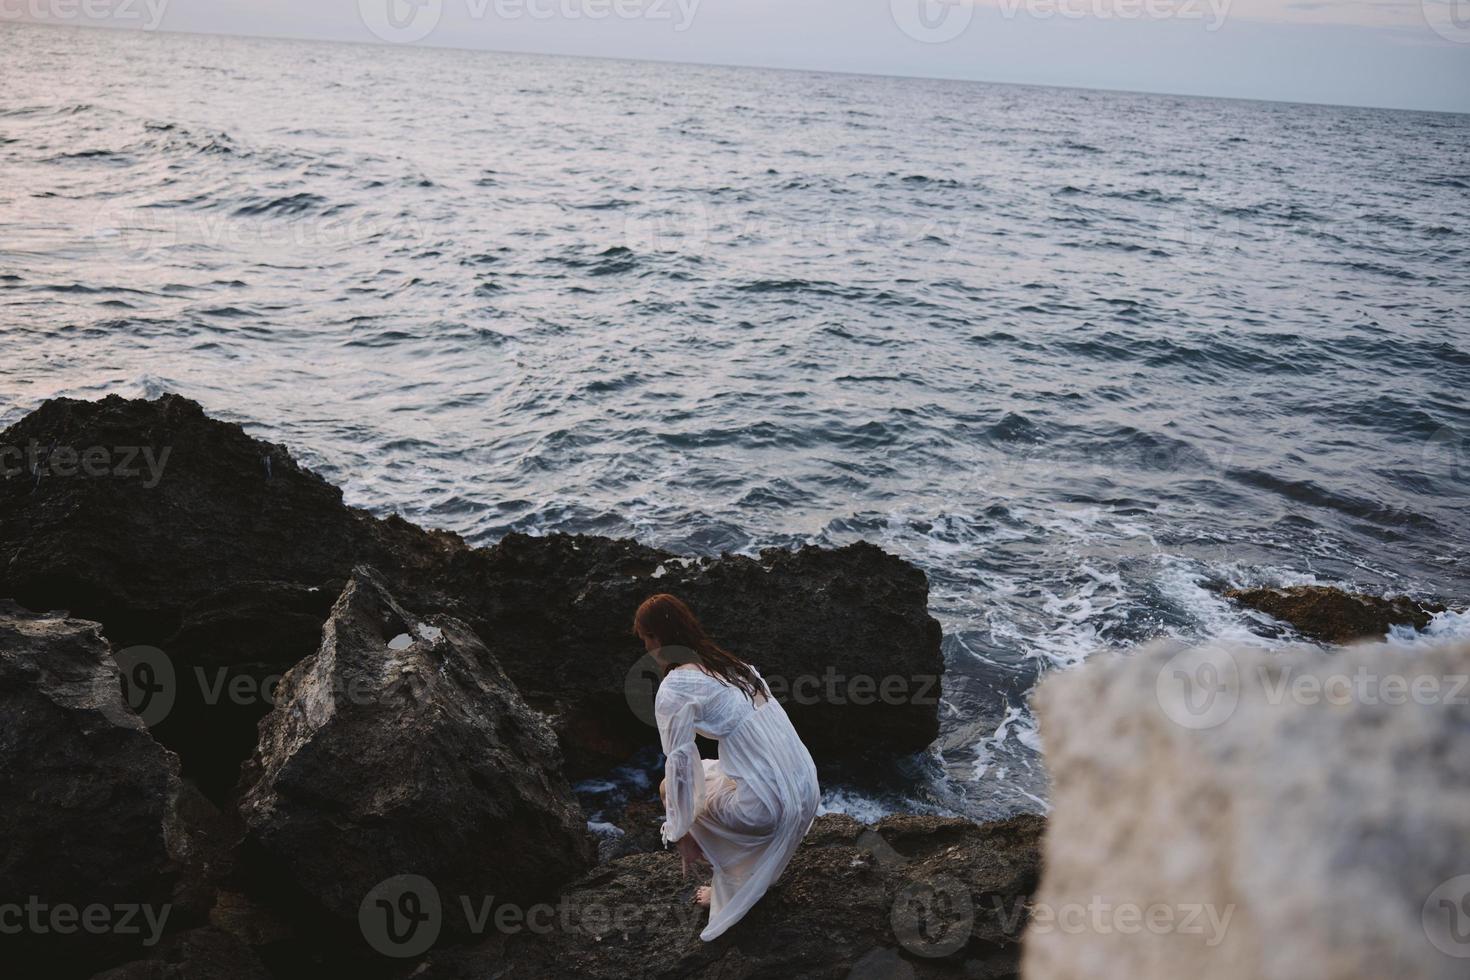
[749, 809]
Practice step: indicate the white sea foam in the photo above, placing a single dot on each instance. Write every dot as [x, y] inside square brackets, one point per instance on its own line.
[1443, 627]
[604, 829]
[869, 809]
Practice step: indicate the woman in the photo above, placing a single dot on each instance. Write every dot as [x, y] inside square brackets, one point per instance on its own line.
[745, 812]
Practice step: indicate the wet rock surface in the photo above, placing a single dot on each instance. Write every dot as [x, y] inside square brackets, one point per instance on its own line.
[1334, 616]
[911, 897]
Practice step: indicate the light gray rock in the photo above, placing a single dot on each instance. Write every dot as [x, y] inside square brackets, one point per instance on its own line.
[401, 748]
[1293, 815]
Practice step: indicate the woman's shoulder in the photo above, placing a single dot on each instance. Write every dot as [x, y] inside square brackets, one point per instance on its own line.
[691, 679]
[682, 685]
[690, 674]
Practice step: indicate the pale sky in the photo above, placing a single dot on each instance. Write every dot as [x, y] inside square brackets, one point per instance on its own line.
[1395, 53]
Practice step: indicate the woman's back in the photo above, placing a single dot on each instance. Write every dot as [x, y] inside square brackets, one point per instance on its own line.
[722, 707]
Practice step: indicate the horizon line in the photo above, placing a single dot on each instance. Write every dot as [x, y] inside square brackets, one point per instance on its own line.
[306, 39]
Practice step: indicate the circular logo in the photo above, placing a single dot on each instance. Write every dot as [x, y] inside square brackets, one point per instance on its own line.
[932, 21]
[933, 918]
[141, 234]
[1199, 688]
[1450, 19]
[1446, 918]
[400, 21]
[401, 916]
[1445, 455]
[149, 685]
[640, 687]
[680, 226]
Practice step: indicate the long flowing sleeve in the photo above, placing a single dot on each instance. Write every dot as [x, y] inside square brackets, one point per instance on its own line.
[677, 709]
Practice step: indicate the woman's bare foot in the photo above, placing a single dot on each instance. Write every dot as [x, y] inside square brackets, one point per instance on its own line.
[702, 895]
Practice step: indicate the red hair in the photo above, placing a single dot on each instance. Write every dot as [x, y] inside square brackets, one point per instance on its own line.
[670, 622]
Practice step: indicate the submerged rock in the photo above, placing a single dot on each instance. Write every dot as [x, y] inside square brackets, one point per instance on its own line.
[401, 748]
[1335, 616]
[89, 803]
[912, 897]
[1298, 814]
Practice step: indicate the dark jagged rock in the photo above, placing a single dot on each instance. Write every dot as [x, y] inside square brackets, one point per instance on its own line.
[420, 756]
[89, 802]
[1335, 616]
[226, 554]
[400, 747]
[249, 635]
[638, 829]
[829, 628]
[198, 954]
[186, 534]
[215, 509]
[914, 897]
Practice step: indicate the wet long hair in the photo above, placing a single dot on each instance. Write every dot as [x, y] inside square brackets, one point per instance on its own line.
[671, 623]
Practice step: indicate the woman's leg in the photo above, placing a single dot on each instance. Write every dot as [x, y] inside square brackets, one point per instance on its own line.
[703, 893]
